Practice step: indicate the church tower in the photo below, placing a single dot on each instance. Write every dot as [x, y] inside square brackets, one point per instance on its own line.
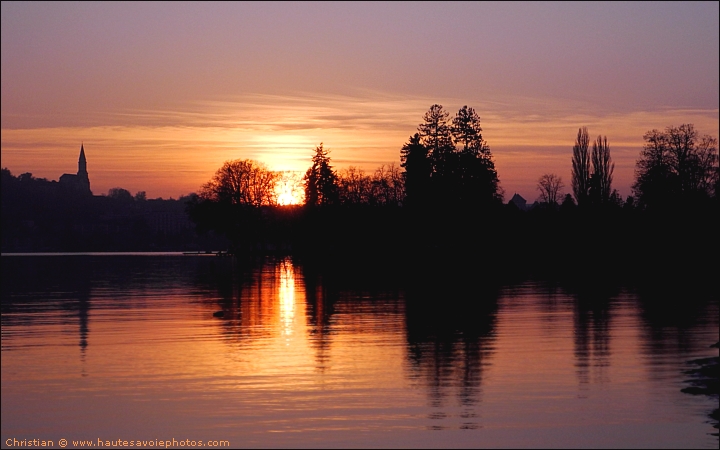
[82, 174]
[82, 162]
[79, 183]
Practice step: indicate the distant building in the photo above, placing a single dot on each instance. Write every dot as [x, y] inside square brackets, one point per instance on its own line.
[518, 201]
[81, 182]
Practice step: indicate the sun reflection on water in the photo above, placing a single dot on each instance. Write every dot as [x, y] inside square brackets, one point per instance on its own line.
[286, 296]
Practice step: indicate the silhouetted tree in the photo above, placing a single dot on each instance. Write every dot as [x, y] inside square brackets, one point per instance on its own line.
[616, 199]
[629, 204]
[581, 166]
[550, 187]
[354, 186]
[320, 180]
[242, 182]
[387, 187]
[476, 172]
[466, 131]
[694, 159]
[26, 177]
[384, 188]
[676, 165]
[654, 177]
[459, 169]
[230, 203]
[120, 194]
[568, 203]
[415, 160]
[602, 172]
[436, 137]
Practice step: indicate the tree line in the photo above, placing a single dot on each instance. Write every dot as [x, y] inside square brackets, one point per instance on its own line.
[42, 215]
[446, 160]
[250, 183]
[676, 167]
[445, 177]
[445, 196]
[447, 163]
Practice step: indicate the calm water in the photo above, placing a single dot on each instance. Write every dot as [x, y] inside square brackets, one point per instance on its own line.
[127, 347]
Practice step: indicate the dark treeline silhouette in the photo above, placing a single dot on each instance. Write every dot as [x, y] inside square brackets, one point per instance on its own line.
[41, 215]
[443, 201]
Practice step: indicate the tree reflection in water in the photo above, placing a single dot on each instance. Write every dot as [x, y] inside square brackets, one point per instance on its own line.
[450, 324]
[309, 349]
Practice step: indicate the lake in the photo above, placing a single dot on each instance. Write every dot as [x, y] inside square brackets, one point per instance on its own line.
[278, 353]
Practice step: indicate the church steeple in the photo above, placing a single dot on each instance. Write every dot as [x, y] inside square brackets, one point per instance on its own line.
[80, 182]
[82, 162]
[82, 175]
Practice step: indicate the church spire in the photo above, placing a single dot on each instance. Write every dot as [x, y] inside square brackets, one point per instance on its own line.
[82, 162]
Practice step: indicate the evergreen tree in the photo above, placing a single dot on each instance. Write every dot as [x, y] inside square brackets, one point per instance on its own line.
[436, 137]
[418, 169]
[466, 131]
[451, 163]
[476, 174]
[321, 183]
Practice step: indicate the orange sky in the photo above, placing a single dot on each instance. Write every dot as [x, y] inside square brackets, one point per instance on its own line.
[162, 95]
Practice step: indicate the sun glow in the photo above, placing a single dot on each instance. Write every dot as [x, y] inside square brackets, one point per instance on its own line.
[289, 189]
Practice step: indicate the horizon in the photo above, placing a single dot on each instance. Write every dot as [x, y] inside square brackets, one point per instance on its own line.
[161, 95]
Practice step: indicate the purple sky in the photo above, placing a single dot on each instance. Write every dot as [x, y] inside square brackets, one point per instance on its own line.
[162, 93]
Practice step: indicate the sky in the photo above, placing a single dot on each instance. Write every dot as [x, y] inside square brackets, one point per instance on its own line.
[161, 94]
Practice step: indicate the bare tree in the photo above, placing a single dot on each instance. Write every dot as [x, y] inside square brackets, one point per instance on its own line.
[581, 166]
[550, 187]
[120, 194]
[692, 158]
[354, 186]
[676, 164]
[397, 183]
[387, 186]
[242, 182]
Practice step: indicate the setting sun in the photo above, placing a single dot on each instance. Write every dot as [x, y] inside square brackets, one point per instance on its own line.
[289, 188]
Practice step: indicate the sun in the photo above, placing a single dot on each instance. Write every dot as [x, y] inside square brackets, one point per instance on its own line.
[288, 198]
[289, 189]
